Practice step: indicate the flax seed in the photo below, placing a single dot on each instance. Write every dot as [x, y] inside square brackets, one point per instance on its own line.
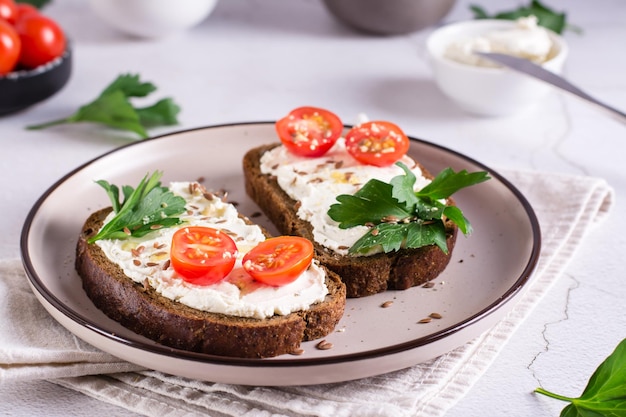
[436, 316]
[425, 320]
[387, 304]
[324, 345]
[297, 352]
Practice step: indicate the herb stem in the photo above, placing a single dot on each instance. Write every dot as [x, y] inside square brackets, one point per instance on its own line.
[552, 395]
[48, 124]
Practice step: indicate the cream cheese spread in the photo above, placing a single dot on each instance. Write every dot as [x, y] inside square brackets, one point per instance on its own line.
[525, 40]
[316, 182]
[146, 260]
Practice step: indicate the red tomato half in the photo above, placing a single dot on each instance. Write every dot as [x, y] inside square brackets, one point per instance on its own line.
[8, 10]
[278, 260]
[377, 143]
[309, 131]
[42, 40]
[202, 255]
[10, 46]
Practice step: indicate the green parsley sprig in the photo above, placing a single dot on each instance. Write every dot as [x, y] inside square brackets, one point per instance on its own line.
[546, 17]
[143, 209]
[401, 217]
[605, 394]
[114, 109]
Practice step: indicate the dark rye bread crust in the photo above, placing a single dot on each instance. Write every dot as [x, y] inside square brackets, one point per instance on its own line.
[363, 275]
[173, 324]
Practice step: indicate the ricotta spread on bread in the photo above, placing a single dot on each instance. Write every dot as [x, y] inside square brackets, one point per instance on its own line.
[145, 260]
[316, 182]
[525, 40]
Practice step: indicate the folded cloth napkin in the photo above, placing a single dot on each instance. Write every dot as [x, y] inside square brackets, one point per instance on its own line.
[34, 346]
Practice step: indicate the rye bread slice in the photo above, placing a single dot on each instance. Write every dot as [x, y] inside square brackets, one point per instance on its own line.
[144, 311]
[362, 275]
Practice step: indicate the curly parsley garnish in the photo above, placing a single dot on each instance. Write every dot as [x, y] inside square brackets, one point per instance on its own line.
[113, 108]
[145, 208]
[401, 217]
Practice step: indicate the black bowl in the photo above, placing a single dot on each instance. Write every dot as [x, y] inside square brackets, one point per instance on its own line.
[23, 88]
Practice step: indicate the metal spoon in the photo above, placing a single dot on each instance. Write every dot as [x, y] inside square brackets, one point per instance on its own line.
[529, 68]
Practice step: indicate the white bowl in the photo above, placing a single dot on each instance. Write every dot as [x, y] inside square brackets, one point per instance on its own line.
[152, 18]
[488, 91]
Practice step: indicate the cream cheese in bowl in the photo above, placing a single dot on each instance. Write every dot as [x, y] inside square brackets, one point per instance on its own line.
[484, 89]
[525, 40]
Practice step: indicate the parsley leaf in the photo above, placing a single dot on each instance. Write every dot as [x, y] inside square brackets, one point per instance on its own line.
[399, 216]
[605, 394]
[546, 17]
[143, 209]
[113, 108]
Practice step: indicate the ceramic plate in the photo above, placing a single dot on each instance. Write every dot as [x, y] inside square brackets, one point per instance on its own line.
[487, 274]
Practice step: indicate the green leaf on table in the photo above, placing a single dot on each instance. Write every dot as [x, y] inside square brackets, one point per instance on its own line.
[130, 85]
[546, 17]
[145, 208]
[605, 394]
[400, 217]
[113, 108]
[162, 113]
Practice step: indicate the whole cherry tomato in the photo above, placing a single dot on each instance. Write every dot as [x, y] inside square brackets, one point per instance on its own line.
[8, 11]
[202, 255]
[25, 9]
[278, 260]
[10, 46]
[309, 131]
[42, 40]
[377, 143]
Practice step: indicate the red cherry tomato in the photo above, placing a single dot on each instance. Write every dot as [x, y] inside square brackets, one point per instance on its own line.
[309, 131]
[8, 10]
[42, 40]
[10, 47]
[202, 255]
[278, 260]
[377, 143]
[25, 9]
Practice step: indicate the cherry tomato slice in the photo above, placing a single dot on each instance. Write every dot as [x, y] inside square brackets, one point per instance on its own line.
[202, 255]
[10, 46]
[278, 260]
[377, 143]
[309, 131]
[42, 40]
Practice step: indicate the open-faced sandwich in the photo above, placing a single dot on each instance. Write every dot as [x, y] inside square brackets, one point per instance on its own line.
[375, 216]
[181, 266]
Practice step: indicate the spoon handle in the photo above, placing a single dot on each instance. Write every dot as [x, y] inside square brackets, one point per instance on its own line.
[527, 67]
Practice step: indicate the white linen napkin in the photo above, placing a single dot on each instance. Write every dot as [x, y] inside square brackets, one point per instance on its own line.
[34, 346]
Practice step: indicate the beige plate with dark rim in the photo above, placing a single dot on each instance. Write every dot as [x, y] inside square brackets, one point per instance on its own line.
[488, 272]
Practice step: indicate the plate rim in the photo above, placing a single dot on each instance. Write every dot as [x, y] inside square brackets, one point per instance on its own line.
[519, 284]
